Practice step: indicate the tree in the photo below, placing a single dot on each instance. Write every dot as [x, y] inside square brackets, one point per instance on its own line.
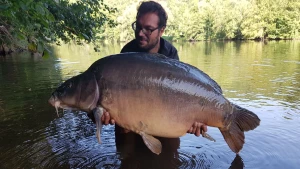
[34, 23]
[38, 22]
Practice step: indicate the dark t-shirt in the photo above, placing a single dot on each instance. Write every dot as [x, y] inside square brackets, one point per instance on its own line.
[166, 48]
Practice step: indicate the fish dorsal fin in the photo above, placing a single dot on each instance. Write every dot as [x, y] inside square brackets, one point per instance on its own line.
[152, 143]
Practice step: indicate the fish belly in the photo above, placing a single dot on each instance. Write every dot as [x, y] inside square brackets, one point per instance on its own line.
[145, 113]
[159, 113]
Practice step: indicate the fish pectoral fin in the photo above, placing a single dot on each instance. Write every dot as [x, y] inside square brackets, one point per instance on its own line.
[98, 112]
[152, 143]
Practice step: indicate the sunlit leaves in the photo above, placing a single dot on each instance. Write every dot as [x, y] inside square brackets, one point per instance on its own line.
[46, 21]
[217, 19]
[83, 21]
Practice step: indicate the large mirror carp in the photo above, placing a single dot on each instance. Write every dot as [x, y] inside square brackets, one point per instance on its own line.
[153, 95]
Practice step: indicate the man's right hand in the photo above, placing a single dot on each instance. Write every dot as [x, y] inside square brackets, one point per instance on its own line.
[106, 119]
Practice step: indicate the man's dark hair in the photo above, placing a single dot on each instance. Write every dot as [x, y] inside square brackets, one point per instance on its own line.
[153, 7]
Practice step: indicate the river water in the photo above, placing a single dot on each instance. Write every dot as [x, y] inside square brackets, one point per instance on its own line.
[263, 77]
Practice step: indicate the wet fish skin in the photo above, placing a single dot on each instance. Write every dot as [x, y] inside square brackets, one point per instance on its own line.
[155, 96]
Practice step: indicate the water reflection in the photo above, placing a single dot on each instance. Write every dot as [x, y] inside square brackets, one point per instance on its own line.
[237, 163]
[264, 78]
[134, 155]
[73, 144]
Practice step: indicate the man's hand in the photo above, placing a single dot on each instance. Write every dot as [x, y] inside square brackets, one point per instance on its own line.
[197, 129]
[106, 118]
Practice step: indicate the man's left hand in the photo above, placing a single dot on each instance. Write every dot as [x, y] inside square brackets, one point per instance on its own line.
[197, 129]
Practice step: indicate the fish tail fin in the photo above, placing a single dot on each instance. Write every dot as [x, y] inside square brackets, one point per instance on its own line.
[243, 120]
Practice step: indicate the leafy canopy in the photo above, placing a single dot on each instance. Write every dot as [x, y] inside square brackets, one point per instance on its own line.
[34, 23]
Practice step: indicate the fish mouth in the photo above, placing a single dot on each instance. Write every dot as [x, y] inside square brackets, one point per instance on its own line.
[55, 103]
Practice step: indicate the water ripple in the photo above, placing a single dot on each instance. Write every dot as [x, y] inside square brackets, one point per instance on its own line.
[190, 160]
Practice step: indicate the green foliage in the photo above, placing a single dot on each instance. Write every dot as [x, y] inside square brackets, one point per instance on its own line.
[124, 17]
[217, 19]
[30, 24]
[38, 22]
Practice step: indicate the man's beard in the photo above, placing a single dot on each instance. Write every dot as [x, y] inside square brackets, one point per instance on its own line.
[150, 46]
